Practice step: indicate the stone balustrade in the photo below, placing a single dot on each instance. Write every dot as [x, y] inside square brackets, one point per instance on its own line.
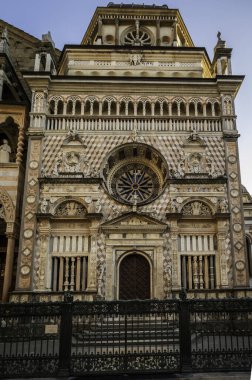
[169, 124]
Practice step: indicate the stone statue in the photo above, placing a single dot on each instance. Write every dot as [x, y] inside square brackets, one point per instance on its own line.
[136, 59]
[98, 206]
[87, 168]
[174, 207]
[57, 165]
[99, 26]
[44, 206]
[222, 205]
[5, 151]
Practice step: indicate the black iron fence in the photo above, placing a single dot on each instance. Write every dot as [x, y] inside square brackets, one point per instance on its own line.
[101, 337]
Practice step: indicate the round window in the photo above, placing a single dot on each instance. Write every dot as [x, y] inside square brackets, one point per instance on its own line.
[135, 174]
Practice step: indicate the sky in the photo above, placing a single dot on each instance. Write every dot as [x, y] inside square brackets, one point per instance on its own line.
[67, 21]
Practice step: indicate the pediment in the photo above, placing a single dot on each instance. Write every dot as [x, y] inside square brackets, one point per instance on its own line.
[134, 221]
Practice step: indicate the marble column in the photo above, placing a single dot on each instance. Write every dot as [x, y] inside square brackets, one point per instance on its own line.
[8, 266]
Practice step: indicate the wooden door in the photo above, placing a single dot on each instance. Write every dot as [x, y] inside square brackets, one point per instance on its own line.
[134, 278]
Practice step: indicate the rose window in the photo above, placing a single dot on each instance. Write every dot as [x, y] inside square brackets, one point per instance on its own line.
[135, 174]
[136, 38]
[135, 183]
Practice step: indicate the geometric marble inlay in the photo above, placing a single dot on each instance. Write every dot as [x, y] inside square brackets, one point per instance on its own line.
[32, 182]
[236, 210]
[233, 175]
[29, 215]
[26, 251]
[238, 245]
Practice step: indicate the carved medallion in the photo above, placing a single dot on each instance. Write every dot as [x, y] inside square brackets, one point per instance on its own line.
[232, 159]
[34, 164]
[25, 270]
[234, 193]
[237, 227]
[240, 265]
[31, 199]
[28, 234]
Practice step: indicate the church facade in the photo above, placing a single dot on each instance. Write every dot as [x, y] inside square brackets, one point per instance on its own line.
[132, 182]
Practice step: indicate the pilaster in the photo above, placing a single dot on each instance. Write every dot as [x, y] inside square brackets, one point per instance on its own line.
[92, 262]
[176, 283]
[222, 259]
[236, 211]
[40, 266]
[30, 205]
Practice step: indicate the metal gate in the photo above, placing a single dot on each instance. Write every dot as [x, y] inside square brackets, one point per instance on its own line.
[133, 336]
[119, 337]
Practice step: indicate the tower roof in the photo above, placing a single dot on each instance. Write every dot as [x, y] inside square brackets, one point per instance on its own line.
[148, 16]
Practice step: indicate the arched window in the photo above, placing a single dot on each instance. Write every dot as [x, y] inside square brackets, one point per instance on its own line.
[217, 109]
[70, 107]
[52, 107]
[182, 109]
[130, 108]
[192, 109]
[148, 108]
[200, 109]
[78, 107]
[174, 109]
[209, 109]
[60, 107]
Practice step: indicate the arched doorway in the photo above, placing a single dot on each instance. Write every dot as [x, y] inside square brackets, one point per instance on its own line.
[134, 277]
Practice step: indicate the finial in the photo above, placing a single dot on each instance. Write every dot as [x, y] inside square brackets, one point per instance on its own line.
[48, 38]
[219, 36]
